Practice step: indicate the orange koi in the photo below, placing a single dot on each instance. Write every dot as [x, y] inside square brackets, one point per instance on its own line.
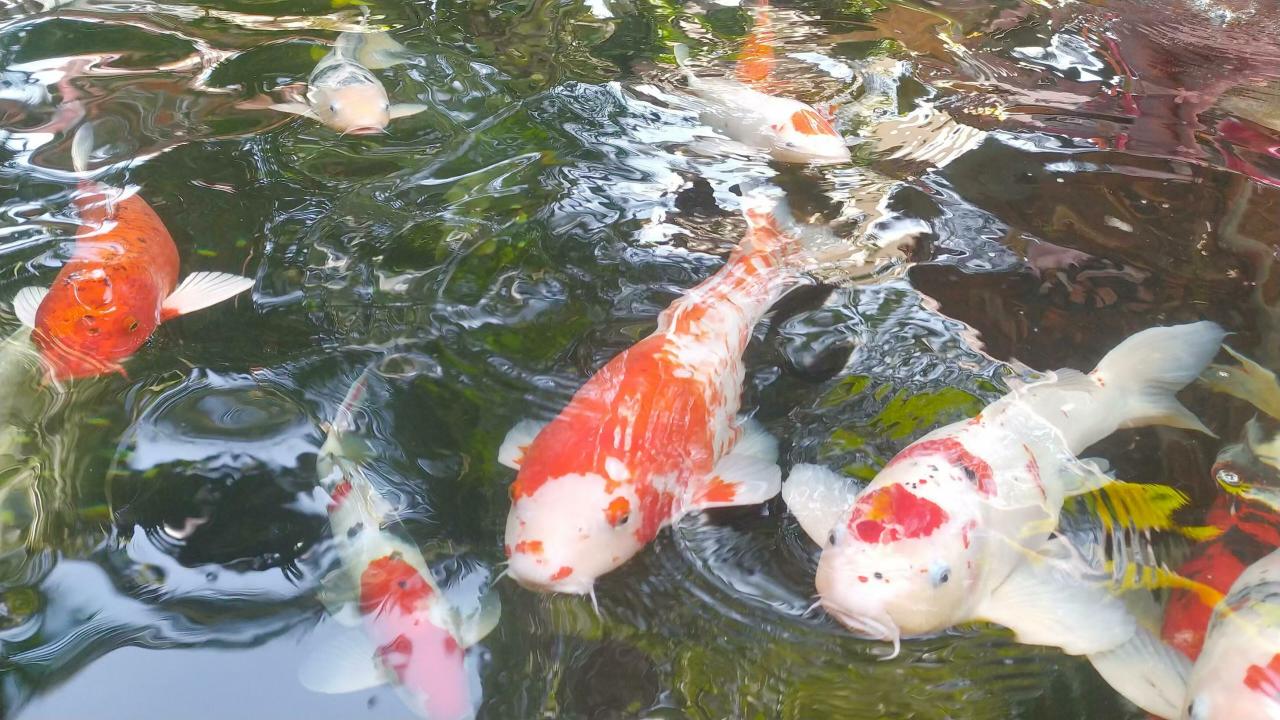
[118, 286]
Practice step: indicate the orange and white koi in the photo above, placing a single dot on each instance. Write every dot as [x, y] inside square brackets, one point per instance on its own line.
[655, 434]
[959, 525]
[757, 59]
[118, 286]
[1237, 675]
[791, 131]
[404, 631]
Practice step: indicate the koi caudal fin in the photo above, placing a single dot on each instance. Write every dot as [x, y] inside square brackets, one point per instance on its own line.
[1151, 366]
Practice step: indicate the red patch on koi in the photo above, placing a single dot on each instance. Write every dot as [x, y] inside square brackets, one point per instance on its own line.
[618, 512]
[717, 491]
[893, 513]
[391, 584]
[532, 547]
[808, 122]
[977, 470]
[562, 573]
[339, 495]
[1265, 680]
[396, 654]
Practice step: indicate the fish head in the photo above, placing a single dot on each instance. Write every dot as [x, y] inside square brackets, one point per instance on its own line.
[803, 135]
[903, 560]
[570, 530]
[419, 652]
[1240, 683]
[349, 99]
[1251, 469]
[88, 336]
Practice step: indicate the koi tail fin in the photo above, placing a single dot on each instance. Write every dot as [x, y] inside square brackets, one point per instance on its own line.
[681, 52]
[1148, 368]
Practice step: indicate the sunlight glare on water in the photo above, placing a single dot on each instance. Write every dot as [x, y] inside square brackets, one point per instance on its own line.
[1029, 184]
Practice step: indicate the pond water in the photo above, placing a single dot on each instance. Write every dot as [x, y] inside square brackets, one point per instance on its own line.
[1087, 170]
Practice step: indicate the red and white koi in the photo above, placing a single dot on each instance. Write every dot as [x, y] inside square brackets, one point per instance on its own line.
[405, 631]
[1237, 676]
[958, 526]
[791, 131]
[118, 286]
[655, 434]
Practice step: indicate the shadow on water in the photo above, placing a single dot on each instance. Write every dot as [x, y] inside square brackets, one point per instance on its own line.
[1112, 165]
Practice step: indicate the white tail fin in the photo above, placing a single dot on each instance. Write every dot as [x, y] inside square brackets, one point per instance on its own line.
[82, 147]
[681, 51]
[1146, 672]
[1151, 366]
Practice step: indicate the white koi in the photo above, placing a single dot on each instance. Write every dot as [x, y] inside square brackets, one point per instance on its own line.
[791, 131]
[959, 525]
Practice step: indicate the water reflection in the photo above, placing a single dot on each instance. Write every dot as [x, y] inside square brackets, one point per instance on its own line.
[1092, 170]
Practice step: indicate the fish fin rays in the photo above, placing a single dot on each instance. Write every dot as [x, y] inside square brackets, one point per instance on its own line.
[200, 290]
[342, 663]
[1045, 604]
[511, 453]
[748, 475]
[818, 498]
[339, 595]
[1149, 673]
[1248, 381]
[27, 302]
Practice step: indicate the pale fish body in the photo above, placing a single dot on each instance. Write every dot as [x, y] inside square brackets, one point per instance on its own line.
[342, 91]
[405, 631]
[791, 131]
[957, 527]
[655, 434]
[1237, 676]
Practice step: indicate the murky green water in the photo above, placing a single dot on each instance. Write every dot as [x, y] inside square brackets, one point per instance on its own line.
[161, 556]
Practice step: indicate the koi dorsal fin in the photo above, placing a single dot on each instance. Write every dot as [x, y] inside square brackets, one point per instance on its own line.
[27, 302]
[200, 290]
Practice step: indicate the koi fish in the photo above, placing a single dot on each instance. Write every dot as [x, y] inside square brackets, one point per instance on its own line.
[119, 285]
[1237, 676]
[757, 59]
[790, 130]
[959, 525]
[402, 628]
[344, 94]
[654, 435]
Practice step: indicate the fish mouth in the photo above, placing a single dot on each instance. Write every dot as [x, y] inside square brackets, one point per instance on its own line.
[869, 628]
[365, 130]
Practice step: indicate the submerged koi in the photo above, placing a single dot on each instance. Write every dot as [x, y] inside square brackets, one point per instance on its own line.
[1237, 675]
[118, 286]
[406, 632]
[344, 94]
[790, 130]
[654, 434]
[756, 59]
[959, 525]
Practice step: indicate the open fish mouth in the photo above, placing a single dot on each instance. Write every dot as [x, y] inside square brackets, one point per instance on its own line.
[365, 130]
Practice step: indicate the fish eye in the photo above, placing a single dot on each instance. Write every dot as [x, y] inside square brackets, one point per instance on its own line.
[333, 107]
[939, 574]
[831, 537]
[621, 520]
[1229, 477]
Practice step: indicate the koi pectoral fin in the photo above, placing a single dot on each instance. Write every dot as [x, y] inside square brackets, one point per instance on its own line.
[345, 662]
[818, 498]
[27, 302]
[400, 110]
[295, 108]
[200, 290]
[472, 627]
[518, 439]
[748, 475]
[1149, 673]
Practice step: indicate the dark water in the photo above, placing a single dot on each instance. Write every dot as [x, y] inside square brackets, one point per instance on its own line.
[160, 558]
